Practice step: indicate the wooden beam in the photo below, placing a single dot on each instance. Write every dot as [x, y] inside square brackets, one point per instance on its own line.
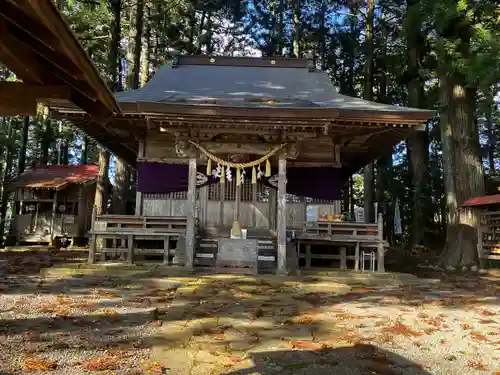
[72, 48]
[17, 107]
[19, 90]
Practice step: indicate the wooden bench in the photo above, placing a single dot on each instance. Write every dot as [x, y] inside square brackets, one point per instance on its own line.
[345, 234]
[128, 229]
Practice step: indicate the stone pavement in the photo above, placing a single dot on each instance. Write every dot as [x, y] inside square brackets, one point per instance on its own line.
[246, 325]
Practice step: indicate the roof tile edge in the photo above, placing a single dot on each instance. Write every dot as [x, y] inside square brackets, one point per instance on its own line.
[270, 62]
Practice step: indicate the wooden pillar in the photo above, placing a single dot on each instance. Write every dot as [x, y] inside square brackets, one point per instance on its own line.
[380, 246]
[190, 210]
[53, 219]
[222, 190]
[272, 208]
[236, 228]
[281, 216]
[203, 215]
[138, 194]
[254, 205]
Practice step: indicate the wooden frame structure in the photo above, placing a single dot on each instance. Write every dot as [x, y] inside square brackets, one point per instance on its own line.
[242, 108]
[49, 63]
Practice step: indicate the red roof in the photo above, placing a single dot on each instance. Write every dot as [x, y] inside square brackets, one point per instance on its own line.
[56, 176]
[483, 201]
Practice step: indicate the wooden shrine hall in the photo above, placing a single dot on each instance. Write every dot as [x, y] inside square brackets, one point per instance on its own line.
[234, 154]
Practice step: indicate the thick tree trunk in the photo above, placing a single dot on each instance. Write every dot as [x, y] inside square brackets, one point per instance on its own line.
[368, 176]
[417, 143]
[21, 165]
[101, 192]
[47, 138]
[114, 47]
[7, 174]
[463, 169]
[146, 56]
[134, 49]
[120, 191]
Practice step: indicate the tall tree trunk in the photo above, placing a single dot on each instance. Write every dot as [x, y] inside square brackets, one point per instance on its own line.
[7, 174]
[101, 192]
[368, 176]
[114, 46]
[21, 165]
[209, 41]
[120, 190]
[146, 56]
[297, 29]
[134, 49]
[418, 142]
[47, 138]
[463, 168]
[85, 150]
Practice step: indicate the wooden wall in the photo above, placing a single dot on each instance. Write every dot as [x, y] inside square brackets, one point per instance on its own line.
[215, 206]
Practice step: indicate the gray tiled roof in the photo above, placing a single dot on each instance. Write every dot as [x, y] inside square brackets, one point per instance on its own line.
[238, 86]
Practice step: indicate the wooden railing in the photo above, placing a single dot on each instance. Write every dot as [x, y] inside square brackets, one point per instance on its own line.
[345, 234]
[125, 230]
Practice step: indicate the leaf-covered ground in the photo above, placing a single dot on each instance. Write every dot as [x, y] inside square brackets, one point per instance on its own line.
[243, 325]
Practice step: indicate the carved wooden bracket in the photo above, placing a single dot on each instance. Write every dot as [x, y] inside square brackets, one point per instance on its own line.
[184, 149]
[291, 151]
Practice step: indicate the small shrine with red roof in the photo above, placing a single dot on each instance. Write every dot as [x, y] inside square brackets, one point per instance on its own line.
[53, 204]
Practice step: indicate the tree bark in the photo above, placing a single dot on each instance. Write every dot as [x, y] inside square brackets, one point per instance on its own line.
[368, 176]
[85, 150]
[121, 188]
[101, 192]
[297, 29]
[463, 169]
[134, 50]
[418, 142]
[21, 165]
[7, 174]
[114, 46]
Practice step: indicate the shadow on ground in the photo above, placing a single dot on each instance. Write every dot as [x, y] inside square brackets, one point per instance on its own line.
[351, 360]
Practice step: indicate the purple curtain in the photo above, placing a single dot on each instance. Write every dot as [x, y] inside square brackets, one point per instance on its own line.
[168, 178]
[313, 182]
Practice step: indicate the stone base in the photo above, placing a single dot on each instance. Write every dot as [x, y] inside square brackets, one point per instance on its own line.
[237, 253]
[180, 252]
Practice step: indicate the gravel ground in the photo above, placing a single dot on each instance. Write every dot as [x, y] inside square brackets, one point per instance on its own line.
[76, 326]
[92, 325]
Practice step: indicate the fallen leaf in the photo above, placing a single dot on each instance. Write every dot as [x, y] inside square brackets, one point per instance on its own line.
[465, 326]
[156, 323]
[39, 365]
[487, 321]
[476, 365]
[487, 313]
[309, 345]
[101, 363]
[478, 336]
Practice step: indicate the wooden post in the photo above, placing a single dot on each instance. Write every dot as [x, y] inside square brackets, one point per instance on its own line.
[53, 219]
[308, 255]
[356, 257]
[254, 205]
[236, 228]
[380, 246]
[343, 258]
[222, 190]
[203, 215]
[281, 216]
[138, 194]
[190, 210]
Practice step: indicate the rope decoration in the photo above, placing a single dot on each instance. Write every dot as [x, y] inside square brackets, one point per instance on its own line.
[240, 167]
